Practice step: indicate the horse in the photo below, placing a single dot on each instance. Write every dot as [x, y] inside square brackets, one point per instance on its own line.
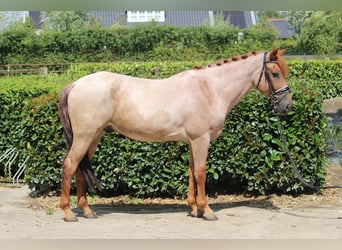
[190, 106]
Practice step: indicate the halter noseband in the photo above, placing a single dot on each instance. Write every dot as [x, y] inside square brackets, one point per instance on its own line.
[274, 93]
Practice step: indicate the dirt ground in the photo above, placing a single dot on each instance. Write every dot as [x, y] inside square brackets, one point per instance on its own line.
[266, 217]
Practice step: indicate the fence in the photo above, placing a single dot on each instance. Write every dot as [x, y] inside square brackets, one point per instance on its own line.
[44, 69]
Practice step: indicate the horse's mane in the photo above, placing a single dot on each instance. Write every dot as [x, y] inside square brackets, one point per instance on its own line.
[225, 61]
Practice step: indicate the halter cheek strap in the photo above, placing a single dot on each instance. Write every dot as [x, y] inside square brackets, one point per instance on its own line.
[262, 69]
[274, 99]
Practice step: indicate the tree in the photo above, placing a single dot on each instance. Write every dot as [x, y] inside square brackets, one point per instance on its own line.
[297, 18]
[9, 18]
[322, 33]
[2, 20]
[64, 20]
[265, 15]
[218, 21]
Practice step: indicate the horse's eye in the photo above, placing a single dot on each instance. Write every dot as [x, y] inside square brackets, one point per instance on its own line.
[275, 75]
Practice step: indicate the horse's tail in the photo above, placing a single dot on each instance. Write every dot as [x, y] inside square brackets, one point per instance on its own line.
[85, 165]
[63, 113]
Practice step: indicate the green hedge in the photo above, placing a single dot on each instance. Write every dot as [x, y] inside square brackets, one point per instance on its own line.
[322, 75]
[142, 42]
[248, 157]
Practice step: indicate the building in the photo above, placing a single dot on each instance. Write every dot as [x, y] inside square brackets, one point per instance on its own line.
[35, 17]
[10, 17]
[241, 19]
[284, 28]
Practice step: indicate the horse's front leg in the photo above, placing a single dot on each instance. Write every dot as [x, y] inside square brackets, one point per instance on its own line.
[202, 205]
[192, 190]
[199, 148]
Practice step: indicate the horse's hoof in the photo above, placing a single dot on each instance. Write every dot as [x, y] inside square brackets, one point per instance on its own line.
[210, 217]
[194, 214]
[91, 215]
[70, 218]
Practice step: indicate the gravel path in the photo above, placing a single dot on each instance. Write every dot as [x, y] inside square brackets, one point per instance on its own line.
[305, 217]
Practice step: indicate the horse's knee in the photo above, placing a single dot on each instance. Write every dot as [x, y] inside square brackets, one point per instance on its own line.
[64, 202]
[202, 202]
[200, 175]
[191, 200]
[82, 202]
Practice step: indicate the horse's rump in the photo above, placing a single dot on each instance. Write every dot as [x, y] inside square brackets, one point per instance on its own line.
[85, 165]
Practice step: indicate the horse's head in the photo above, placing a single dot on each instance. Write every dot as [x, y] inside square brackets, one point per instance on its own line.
[272, 83]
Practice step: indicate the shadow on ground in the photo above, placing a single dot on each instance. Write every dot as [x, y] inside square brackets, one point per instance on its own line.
[102, 209]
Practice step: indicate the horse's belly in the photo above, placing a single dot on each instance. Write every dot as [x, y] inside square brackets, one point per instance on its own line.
[151, 135]
[147, 122]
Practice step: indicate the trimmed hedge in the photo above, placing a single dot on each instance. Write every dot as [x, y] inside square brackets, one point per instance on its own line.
[247, 157]
[142, 42]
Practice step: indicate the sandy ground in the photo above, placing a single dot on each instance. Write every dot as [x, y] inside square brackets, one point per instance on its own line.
[272, 217]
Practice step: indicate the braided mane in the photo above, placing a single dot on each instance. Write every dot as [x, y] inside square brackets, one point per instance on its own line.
[225, 61]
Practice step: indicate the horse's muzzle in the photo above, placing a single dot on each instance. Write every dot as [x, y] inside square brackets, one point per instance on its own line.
[282, 102]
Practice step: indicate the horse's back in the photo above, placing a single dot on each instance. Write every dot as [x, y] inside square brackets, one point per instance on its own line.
[144, 109]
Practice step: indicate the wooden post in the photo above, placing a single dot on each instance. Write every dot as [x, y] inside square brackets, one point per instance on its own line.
[44, 70]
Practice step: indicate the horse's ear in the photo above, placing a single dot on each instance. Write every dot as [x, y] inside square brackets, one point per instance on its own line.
[282, 52]
[273, 55]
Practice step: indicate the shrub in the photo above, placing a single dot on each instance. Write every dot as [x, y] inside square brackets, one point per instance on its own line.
[248, 157]
[142, 42]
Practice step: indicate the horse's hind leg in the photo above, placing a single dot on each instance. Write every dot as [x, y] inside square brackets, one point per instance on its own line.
[82, 185]
[70, 165]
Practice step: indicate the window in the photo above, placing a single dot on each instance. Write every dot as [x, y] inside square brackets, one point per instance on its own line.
[145, 16]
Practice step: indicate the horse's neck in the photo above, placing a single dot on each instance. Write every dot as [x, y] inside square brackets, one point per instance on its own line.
[235, 79]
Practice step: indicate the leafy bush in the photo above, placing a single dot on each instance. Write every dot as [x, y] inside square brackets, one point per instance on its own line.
[323, 76]
[321, 33]
[248, 157]
[26, 108]
[142, 42]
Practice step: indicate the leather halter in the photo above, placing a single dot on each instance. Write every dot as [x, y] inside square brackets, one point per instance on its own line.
[274, 93]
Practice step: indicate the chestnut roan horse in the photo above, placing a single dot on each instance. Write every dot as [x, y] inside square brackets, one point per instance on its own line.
[190, 106]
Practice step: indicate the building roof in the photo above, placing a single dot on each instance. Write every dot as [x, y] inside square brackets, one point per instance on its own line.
[284, 28]
[109, 17]
[35, 17]
[241, 19]
[186, 18]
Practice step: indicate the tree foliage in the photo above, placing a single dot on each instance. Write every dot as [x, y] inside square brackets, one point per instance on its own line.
[64, 20]
[322, 33]
[141, 42]
[297, 19]
[267, 14]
